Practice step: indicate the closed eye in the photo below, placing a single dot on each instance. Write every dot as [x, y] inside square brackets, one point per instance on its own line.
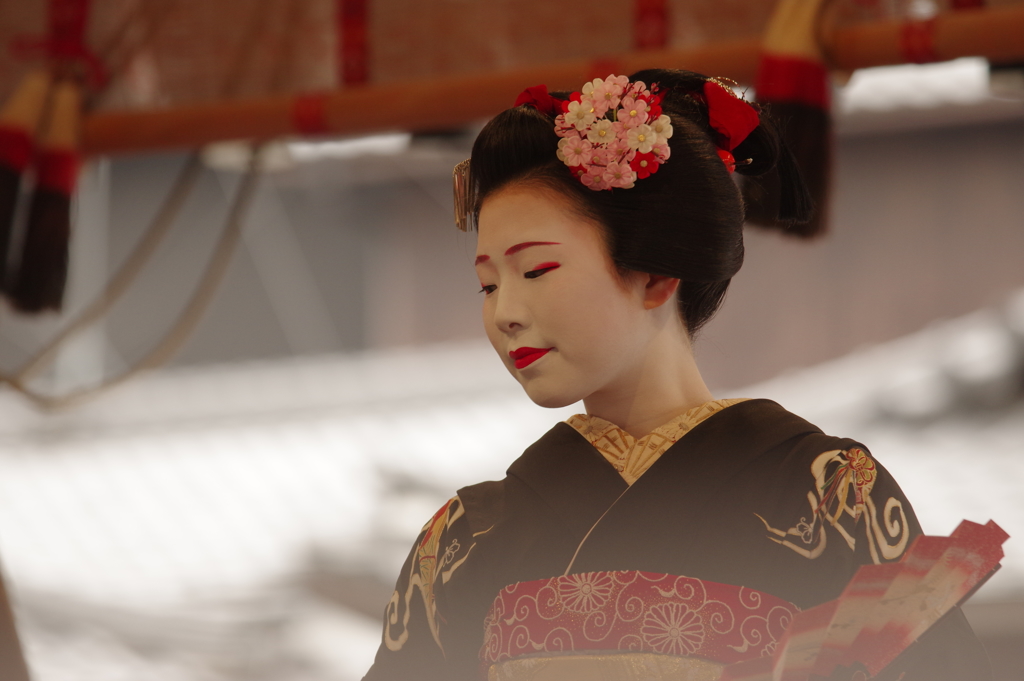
[542, 269]
[488, 289]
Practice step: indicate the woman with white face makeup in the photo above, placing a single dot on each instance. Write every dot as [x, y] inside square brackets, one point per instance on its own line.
[551, 289]
[663, 534]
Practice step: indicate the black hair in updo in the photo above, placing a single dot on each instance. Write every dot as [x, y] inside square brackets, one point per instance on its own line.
[684, 221]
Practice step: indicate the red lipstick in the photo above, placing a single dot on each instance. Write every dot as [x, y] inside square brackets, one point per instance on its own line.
[524, 357]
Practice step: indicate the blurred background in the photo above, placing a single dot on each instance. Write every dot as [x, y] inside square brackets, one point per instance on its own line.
[241, 510]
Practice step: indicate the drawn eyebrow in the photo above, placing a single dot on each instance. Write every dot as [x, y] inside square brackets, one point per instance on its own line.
[480, 259]
[526, 244]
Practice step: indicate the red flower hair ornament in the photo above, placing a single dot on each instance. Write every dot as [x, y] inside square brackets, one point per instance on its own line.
[613, 132]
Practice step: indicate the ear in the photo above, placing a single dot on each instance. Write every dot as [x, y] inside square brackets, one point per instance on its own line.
[659, 290]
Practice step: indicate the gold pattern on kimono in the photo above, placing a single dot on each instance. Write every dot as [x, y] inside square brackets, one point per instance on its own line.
[844, 480]
[425, 569]
[630, 456]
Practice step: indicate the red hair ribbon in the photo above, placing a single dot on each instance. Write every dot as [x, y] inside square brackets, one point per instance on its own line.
[538, 97]
[731, 117]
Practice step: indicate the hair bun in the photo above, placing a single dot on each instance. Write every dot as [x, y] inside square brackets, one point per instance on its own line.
[783, 197]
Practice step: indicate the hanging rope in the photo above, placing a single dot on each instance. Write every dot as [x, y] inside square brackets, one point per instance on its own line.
[187, 320]
[125, 276]
[120, 283]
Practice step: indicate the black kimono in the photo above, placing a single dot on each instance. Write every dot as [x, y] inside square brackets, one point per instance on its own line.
[752, 496]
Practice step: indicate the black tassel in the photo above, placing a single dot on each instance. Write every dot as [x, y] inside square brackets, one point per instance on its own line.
[43, 267]
[793, 84]
[44, 260]
[19, 121]
[10, 188]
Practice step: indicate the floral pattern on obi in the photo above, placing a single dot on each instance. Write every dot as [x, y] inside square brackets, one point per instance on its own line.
[634, 612]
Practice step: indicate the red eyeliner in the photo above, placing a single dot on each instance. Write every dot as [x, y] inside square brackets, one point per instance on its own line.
[548, 266]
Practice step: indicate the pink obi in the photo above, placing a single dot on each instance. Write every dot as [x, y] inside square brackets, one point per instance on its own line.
[644, 614]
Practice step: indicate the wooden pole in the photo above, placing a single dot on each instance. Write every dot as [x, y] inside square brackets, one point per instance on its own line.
[996, 34]
[453, 101]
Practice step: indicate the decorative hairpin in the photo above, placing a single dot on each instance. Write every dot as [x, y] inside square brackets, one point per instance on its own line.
[460, 183]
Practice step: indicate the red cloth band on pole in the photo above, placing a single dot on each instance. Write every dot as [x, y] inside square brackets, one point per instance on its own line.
[602, 67]
[791, 79]
[65, 40]
[309, 114]
[650, 24]
[15, 148]
[57, 170]
[354, 41]
[917, 41]
[67, 19]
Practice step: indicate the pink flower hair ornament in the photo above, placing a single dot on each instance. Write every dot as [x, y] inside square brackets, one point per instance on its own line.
[613, 132]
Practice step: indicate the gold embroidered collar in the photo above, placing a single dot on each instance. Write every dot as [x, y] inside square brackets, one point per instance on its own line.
[630, 456]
